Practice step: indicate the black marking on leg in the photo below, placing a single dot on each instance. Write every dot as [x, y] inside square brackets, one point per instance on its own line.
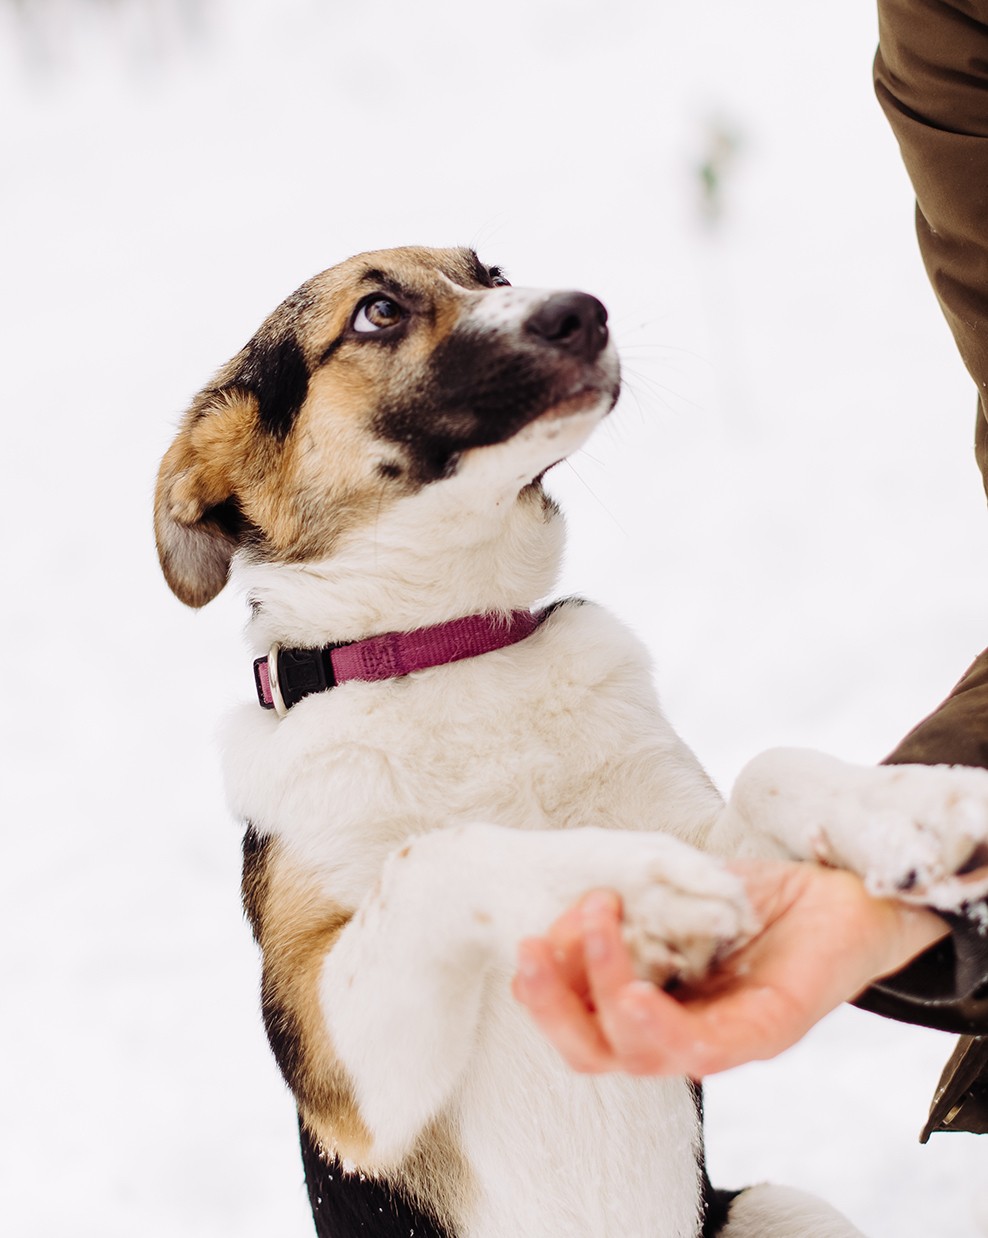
[286, 1040]
[284, 1030]
[254, 878]
[716, 1207]
[714, 1204]
[354, 1206]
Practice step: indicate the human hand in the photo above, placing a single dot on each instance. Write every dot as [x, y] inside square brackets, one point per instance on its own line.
[824, 939]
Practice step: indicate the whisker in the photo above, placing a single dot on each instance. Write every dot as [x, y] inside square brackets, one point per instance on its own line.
[594, 495]
[487, 231]
[660, 391]
[633, 392]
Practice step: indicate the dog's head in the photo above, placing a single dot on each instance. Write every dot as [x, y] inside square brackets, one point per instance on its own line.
[378, 377]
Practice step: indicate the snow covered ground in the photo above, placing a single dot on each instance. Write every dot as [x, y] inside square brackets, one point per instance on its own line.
[785, 506]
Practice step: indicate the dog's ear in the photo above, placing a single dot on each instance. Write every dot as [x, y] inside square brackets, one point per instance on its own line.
[197, 517]
[224, 447]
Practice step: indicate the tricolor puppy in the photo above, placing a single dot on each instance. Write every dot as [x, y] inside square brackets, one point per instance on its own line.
[450, 760]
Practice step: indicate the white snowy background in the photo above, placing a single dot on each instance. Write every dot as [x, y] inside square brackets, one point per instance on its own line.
[785, 505]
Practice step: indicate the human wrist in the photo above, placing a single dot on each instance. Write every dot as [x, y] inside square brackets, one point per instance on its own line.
[907, 931]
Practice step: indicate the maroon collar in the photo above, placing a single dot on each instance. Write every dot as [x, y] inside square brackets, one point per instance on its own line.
[285, 676]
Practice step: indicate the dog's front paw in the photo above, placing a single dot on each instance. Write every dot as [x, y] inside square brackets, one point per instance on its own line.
[914, 832]
[679, 918]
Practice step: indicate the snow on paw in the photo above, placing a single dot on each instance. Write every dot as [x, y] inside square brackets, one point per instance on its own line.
[914, 832]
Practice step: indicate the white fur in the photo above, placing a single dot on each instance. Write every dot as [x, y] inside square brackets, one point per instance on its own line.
[502, 309]
[780, 1212]
[520, 779]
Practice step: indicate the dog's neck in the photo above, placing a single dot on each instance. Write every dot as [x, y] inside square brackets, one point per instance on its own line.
[445, 552]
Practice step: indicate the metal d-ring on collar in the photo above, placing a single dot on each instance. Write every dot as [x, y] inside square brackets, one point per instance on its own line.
[285, 676]
[274, 681]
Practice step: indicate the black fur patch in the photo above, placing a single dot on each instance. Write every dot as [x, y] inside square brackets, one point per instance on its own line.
[254, 878]
[228, 518]
[560, 603]
[275, 371]
[488, 277]
[715, 1204]
[347, 1206]
[285, 1038]
[473, 394]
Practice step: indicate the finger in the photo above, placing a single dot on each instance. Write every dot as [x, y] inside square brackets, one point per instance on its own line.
[608, 961]
[565, 940]
[558, 1011]
[626, 1006]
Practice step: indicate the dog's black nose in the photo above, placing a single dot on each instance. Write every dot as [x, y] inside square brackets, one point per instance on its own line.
[574, 322]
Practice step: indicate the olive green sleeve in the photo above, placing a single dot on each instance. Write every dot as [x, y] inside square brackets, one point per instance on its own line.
[931, 78]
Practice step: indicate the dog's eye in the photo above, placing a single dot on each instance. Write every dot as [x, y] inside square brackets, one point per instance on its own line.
[377, 314]
[498, 278]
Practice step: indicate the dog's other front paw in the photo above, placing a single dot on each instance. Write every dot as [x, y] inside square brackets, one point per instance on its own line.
[914, 832]
[923, 836]
[679, 919]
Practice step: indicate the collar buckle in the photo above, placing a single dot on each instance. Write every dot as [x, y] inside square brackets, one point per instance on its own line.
[285, 676]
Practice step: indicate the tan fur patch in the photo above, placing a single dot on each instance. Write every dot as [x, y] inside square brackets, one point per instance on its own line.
[296, 928]
[437, 1177]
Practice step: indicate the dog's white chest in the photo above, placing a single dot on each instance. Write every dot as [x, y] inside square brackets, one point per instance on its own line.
[552, 1153]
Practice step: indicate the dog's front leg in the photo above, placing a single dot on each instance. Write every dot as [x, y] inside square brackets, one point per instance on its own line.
[912, 831]
[403, 984]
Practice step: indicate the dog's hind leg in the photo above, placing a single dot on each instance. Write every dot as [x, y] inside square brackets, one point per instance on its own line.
[781, 1212]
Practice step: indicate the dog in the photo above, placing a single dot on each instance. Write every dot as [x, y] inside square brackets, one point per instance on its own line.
[444, 762]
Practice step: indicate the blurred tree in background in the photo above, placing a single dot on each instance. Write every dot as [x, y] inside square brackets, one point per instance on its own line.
[720, 143]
